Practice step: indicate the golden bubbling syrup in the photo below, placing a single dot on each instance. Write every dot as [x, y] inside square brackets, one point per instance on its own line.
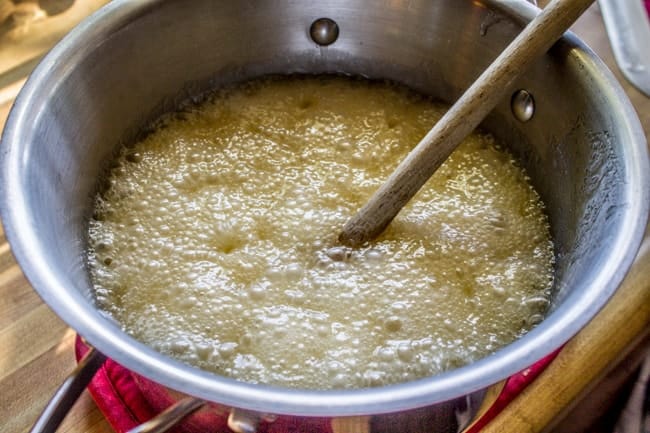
[215, 240]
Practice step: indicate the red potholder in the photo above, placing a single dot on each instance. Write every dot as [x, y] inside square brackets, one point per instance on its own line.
[120, 399]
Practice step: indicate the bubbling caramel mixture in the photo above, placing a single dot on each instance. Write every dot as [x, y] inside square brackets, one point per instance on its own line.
[215, 240]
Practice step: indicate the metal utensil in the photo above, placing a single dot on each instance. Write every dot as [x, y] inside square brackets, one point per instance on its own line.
[628, 28]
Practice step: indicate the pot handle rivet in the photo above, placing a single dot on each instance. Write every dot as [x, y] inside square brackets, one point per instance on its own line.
[324, 31]
[522, 105]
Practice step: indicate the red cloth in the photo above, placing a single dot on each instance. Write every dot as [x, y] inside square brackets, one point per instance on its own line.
[119, 395]
[647, 7]
[116, 395]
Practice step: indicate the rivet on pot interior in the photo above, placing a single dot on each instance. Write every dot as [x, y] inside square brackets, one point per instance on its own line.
[324, 31]
[522, 105]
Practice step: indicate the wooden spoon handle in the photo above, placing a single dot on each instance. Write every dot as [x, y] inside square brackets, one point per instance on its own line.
[461, 119]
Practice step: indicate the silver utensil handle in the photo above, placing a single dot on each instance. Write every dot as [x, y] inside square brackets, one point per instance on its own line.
[68, 393]
[170, 416]
[628, 28]
[72, 387]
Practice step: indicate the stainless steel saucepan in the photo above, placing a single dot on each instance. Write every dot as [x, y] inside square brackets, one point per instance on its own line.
[568, 122]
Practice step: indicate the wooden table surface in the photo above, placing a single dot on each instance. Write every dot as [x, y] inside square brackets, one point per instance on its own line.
[36, 346]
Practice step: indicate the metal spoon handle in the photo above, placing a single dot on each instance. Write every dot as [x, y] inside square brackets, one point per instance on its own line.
[170, 417]
[461, 119]
[68, 393]
[628, 29]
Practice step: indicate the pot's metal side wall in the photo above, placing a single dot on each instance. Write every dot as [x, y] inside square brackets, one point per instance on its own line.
[578, 137]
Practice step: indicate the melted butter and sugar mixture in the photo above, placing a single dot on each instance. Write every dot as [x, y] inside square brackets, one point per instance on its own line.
[215, 240]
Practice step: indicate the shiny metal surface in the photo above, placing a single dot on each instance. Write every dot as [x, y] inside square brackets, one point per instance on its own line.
[68, 392]
[243, 421]
[628, 28]
[584, 150]
[324, 31]
[170, 417]
[523, 105]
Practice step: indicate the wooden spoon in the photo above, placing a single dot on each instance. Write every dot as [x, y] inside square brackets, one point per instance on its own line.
[461, 119]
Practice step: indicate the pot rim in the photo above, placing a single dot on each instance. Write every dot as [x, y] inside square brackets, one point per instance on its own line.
[107, 337]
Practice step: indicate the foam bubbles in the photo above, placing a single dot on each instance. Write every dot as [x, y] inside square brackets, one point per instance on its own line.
[215, 240]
